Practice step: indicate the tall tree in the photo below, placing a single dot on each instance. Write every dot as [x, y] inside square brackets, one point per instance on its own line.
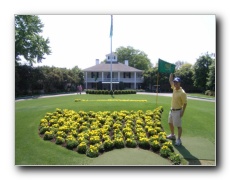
[179, 64]
[137, 59]
[28, 42]
[150, 79]
[185, 72]
[211, 76]
[78, 75]
[201, 70]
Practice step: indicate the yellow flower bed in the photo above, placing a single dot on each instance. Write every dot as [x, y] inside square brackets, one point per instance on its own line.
[109, 100]
[94, 133]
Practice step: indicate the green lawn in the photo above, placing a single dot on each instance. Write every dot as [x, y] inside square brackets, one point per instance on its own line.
[200, 95]
[198, 123]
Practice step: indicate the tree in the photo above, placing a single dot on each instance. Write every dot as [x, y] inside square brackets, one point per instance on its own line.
[211, 76]
[77, 75]
[201, 71]
[23, 79]
[179, 64]
[150, 79]
[28, 42]
[185, 72]
[137, 59]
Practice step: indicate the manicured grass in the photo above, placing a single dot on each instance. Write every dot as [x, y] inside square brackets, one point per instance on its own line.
[200, 95]
[30, 149]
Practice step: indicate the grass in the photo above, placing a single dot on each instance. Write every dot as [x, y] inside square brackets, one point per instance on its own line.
[200, 95]
[30, 149]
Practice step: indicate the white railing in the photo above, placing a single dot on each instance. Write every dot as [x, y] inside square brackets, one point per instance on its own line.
[126, 80]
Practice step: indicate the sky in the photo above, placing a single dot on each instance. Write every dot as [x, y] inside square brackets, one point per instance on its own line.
[78, 40]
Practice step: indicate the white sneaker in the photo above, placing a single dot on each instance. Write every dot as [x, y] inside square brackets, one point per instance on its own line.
[178, 142]
[172, 137]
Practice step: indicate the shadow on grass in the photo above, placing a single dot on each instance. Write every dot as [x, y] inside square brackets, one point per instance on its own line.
[192, 160]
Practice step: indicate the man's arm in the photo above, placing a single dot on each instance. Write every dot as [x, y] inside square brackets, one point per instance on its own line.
[183, 110]
[171, 79]
[184, 100]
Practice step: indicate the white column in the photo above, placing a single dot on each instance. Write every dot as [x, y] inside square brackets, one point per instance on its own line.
[86, 83]
[135, 81]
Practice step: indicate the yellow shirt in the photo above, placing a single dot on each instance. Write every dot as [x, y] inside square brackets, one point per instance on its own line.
[179, 98]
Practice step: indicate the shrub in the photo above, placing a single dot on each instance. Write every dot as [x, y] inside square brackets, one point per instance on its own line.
[175, 158]
[94, 139]
[43, 129]
[119, 143]
[144, 143]
[165, 151]
[70, 144]
[101, 148]
[155, 145]
[131, 143]
[210, 93]
[82, 147]
[60, 140]
[111, 92]
[169, 145]
[108, 145]
[48, 135]
[92, 151]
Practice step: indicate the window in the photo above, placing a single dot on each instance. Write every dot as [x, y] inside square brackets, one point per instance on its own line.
[92, 75]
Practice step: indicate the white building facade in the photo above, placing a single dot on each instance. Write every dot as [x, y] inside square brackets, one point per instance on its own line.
[123, 75]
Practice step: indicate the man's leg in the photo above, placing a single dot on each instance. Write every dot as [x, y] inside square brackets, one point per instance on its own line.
[171, 128]
[179, 132]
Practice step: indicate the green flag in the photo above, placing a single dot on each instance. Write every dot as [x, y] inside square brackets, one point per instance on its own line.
[165, 67]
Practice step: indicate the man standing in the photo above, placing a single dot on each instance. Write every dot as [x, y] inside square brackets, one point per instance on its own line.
[178, 106]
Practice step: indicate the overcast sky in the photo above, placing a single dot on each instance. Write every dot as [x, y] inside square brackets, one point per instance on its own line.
[78, 40]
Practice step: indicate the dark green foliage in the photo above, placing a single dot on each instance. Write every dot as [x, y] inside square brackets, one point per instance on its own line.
[28, 42]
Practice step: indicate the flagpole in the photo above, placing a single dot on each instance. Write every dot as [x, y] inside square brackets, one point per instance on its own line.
[157, 89]
[111, 34]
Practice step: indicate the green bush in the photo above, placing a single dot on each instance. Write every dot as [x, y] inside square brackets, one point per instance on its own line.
[165, 151]
[210, 93]
[119, 143]
[48, 135]
[60, 140]
[130, 143]
[82, 147]
[92, 151]
[175, 158]
[43, 130]
[108, 145]
[155, 145]
[144, 143]
[70, 144]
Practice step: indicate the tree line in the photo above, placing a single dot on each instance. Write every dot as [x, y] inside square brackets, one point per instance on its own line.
[199, 77]
[31, 80]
